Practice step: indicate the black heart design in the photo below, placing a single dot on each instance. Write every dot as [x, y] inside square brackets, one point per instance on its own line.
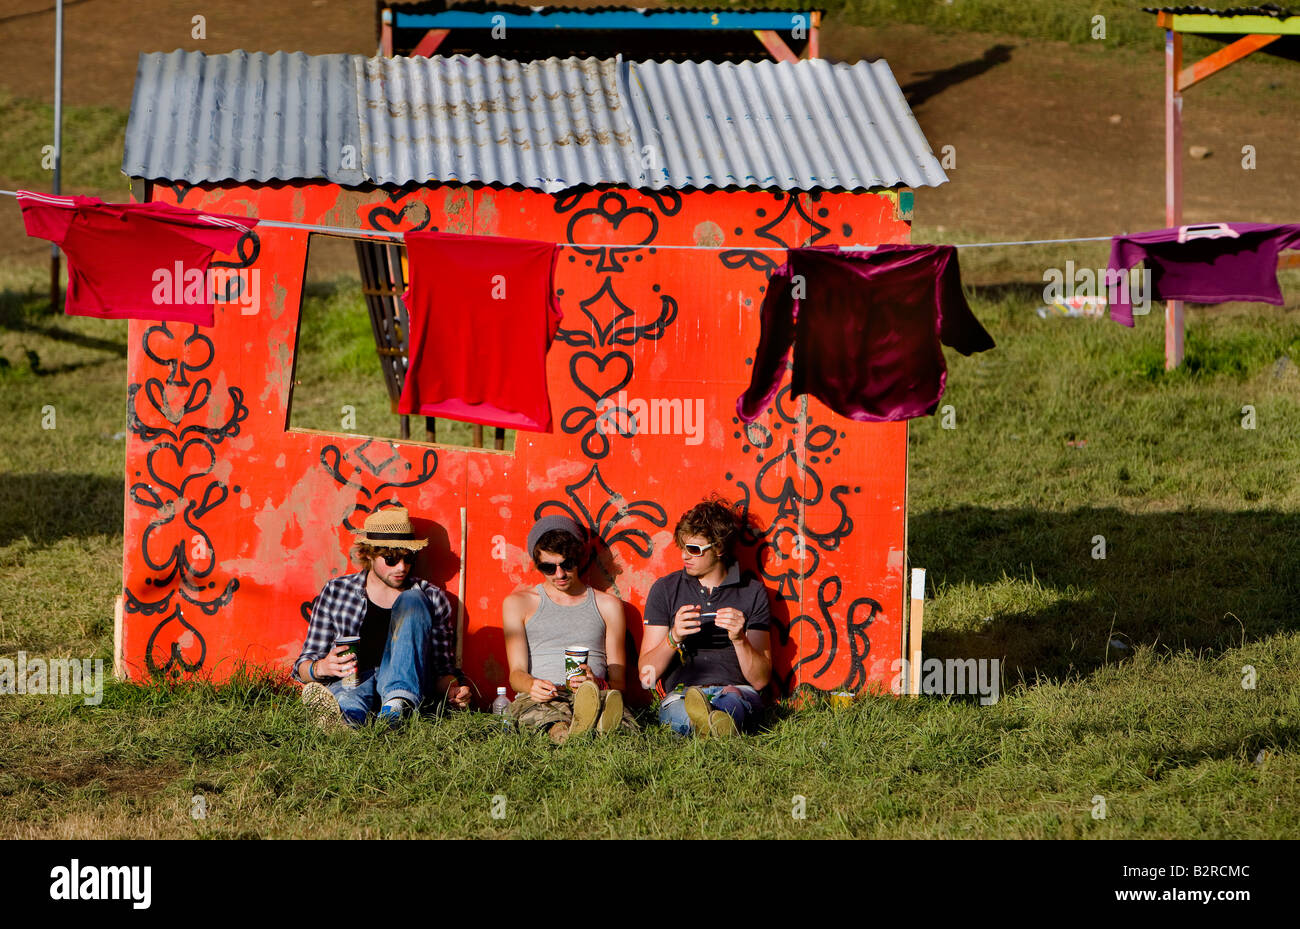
[176, 661]
[157, 395]
[382, 214]
[589, 359]
[177, 365]
[179, 454]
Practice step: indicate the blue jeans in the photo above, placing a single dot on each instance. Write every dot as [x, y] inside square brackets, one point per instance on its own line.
[740, 702]
[402, 672]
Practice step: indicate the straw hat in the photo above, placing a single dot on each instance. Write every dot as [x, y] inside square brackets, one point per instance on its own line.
[390, 528]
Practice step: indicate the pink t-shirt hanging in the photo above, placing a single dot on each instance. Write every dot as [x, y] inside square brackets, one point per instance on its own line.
[1210, 263]
[134, 260]
[483, 314]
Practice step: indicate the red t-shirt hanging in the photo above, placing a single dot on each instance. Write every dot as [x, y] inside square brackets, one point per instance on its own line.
[482, 316]
[134, 260]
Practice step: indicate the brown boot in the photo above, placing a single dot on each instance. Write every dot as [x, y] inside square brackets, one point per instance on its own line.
[697, 710]
[586, 707]
[721, 724]
[612, 715]
[323, 707]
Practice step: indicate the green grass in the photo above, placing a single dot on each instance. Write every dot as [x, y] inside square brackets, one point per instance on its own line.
[93, 138]
[1199, 580]
[1174, 744]
[338, 367]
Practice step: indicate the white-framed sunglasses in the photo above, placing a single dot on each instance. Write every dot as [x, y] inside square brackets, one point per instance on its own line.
[692, 549]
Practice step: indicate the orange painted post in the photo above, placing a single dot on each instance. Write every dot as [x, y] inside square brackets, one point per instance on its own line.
[1173, 183]
[429, 43]
[814, 35]
[775, 45]
[386, 33]
[1212, 64]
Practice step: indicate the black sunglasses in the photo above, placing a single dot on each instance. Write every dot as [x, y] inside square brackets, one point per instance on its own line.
[393, 560]
[548, 569]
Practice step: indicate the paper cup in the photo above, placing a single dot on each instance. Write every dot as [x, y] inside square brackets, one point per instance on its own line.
[351, 641]
[574, 657]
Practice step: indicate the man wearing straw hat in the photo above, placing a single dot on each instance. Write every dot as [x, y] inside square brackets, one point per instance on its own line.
[541, 623]
[405, 656]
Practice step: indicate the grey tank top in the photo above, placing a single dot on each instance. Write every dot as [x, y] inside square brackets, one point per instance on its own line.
[553, 628]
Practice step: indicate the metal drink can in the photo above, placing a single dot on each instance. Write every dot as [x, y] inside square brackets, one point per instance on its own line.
[841, 698]
[351, 642]
[574, 657]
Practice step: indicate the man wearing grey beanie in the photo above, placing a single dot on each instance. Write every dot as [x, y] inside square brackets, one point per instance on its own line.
[563, 614]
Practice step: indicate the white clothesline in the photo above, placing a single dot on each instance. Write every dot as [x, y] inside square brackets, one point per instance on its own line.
[379, 234]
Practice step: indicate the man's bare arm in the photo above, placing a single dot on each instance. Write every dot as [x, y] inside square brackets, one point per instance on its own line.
[754, 654]
[513, 612]
[611, 610]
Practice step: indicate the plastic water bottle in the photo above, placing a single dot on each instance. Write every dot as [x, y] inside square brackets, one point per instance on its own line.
[501, 707]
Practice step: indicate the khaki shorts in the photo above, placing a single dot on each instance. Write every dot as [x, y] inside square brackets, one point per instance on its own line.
[528, 712]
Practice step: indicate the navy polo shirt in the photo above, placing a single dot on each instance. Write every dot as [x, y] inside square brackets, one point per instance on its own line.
[710, 658]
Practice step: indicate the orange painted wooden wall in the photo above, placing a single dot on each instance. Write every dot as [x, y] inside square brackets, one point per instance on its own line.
[233, 522]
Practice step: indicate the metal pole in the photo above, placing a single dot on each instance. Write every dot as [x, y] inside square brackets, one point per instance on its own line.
[58, 142]
[1173, 183]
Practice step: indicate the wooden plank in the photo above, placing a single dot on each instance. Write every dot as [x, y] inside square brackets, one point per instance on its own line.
[775, 45]
[460, 590]
[914, 632]
[616, 20]
[386, 34]
[1235, 25]
[119, 657]
[427, 45]
[1212, 64]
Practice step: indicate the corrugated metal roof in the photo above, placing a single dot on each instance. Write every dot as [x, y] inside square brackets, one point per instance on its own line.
[797, 126]
[1267, 9]
[244, 116]
[544, 124]
[547, 125]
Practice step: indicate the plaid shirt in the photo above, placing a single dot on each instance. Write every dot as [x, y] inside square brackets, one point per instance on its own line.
[340, 608]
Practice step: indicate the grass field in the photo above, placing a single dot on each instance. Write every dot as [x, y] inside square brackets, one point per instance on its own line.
[1123, 676]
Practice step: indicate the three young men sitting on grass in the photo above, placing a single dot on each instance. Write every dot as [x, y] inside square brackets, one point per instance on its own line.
[706, 648]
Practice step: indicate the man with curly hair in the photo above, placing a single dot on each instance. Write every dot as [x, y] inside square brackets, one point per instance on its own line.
[405, 656]
[540, 622]
[707, 640]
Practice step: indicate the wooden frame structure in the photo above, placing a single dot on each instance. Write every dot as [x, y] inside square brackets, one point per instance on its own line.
[768, 26]
[1257, 31]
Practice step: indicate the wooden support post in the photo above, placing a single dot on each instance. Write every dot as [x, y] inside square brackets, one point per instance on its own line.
[119, 657]
[814, 35]
[1173, 183]
[775, 45]
[386, 33]
[460, 589]
[914, 632]
[429, 43]
[478, 435]
[499, 440]
[1212, 64]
